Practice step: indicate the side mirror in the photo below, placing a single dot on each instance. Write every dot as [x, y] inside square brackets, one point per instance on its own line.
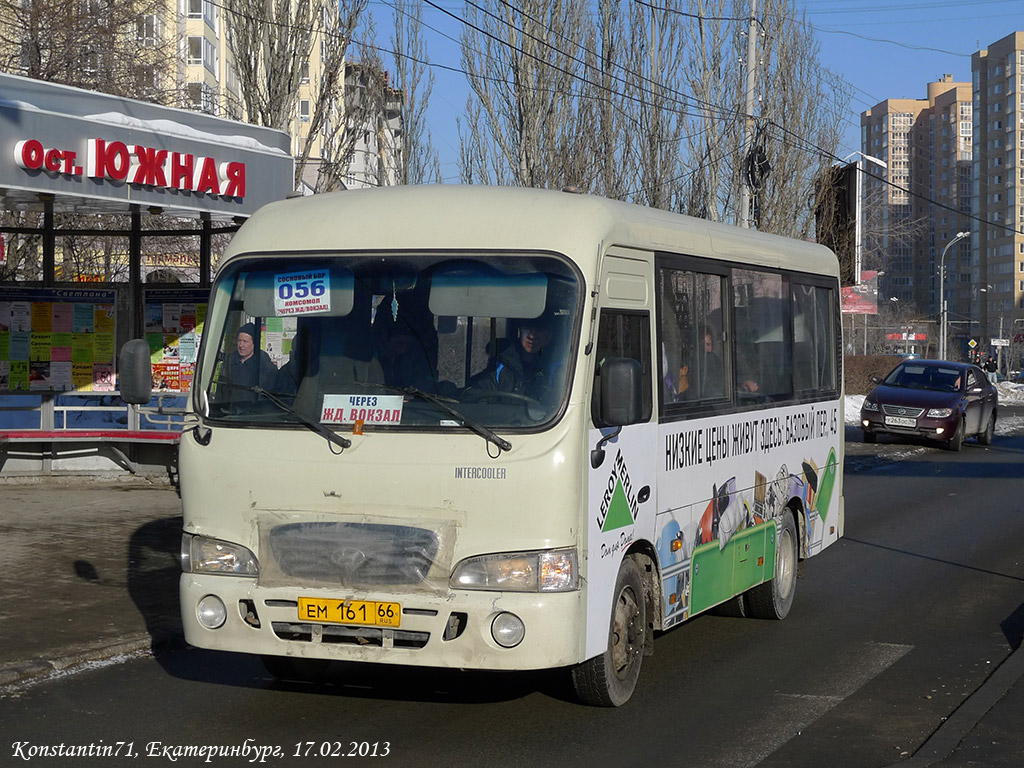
[876, 379]
[621, 401]
[621, 391]
[135, 372]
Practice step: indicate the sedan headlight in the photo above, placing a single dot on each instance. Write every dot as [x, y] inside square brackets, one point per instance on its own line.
[869, 406]
[939, 413]
[550, 570]
[200, 554]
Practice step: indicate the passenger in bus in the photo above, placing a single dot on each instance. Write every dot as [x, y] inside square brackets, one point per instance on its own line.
[407, 349]
[703, 376]
[248, 366]
[712, 372]
[746, 365]
[523, 368]
[290, 374]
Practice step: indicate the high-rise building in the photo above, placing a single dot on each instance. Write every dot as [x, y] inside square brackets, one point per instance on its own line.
[915, 206]
[998, 178]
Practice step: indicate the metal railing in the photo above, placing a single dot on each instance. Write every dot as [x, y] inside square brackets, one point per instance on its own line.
[90, 410]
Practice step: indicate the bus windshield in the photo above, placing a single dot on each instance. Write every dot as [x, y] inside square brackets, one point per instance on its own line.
[391, 341]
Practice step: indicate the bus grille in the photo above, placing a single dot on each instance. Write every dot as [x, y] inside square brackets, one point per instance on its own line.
[354, 554]
[329, 634]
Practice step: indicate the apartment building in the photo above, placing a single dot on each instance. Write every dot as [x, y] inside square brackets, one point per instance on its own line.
[368, 150]
[998, 191]
[954, 162]
[916, 204]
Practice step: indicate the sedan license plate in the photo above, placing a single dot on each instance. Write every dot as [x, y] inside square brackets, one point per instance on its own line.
[900, 421]
[364, 612]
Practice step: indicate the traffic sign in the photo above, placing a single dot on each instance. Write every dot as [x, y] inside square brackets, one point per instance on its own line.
[1000, 342]
[972, 343]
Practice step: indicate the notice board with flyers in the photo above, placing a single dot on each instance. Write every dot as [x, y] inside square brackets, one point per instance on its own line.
[174, 326]
[57, 339]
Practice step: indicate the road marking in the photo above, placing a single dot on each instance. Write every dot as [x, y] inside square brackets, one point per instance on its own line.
[789, 713]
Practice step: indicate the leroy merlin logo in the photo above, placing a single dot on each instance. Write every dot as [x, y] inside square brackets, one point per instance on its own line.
[618, 505]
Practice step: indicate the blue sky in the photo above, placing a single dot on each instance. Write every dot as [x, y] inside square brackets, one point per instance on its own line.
[913, 43]
[883, 49]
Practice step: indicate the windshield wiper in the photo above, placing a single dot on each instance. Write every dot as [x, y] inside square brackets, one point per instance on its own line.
[320, 429]
[442, 403]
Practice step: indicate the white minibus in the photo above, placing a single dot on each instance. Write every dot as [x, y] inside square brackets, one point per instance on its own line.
[504, 429]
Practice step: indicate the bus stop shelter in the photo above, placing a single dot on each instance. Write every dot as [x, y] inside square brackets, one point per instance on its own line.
[66, 150]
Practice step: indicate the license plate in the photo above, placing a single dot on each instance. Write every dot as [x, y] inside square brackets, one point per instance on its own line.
[364, 612]
[900, 421]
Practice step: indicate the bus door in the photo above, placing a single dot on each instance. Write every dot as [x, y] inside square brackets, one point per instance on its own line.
[621, 500]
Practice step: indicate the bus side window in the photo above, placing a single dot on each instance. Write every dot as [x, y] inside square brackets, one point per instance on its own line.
[692, 336]
[623, 334]
[764, 368]
[814, 340]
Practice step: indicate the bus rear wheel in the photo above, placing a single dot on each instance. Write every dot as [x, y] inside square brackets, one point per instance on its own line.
[608, 680]
[773, 599]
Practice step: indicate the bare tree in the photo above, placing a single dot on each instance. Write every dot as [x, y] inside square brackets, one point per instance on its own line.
[362, 146]
[126, 48]
[418, 160]
[713, 73]
[22, 252]
[800, 121]
[654, 82]
[272, 41]
[887, 227]
[527, 87]
[603, 108]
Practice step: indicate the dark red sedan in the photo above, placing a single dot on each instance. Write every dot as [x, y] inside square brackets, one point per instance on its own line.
[934, 399]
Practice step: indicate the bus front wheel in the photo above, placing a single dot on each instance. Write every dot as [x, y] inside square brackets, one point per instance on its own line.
[773, 599]
[608, 680]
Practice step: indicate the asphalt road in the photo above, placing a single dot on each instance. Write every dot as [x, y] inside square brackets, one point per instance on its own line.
[892, 629]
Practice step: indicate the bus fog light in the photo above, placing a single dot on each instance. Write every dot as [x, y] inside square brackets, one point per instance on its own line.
[508, 630]
[211, 612]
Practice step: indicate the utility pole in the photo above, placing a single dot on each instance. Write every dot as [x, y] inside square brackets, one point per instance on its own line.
[748, 117]
[999, 352]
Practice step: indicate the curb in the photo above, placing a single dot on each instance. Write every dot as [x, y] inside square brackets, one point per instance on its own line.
[966, 717]
[17, 673]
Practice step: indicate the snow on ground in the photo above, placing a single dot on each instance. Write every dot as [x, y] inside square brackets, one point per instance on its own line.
[1006, 424]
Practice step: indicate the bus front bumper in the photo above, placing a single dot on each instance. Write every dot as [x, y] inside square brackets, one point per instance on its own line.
[457, 630]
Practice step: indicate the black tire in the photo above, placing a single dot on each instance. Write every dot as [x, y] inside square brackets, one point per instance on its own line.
[291, 668]
[956, 442]
[985, 438]
[773, 599]
[608, 680]
[735, 607]
[869, 437]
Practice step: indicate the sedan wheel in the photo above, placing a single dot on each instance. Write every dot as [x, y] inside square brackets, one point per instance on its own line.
[985, 438]
[957, 440]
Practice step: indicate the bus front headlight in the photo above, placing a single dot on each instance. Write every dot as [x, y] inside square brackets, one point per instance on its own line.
[200, 554]
[549, 570]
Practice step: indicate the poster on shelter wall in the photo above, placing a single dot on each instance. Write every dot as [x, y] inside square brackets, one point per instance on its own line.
[50, 336]
[174, 325]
